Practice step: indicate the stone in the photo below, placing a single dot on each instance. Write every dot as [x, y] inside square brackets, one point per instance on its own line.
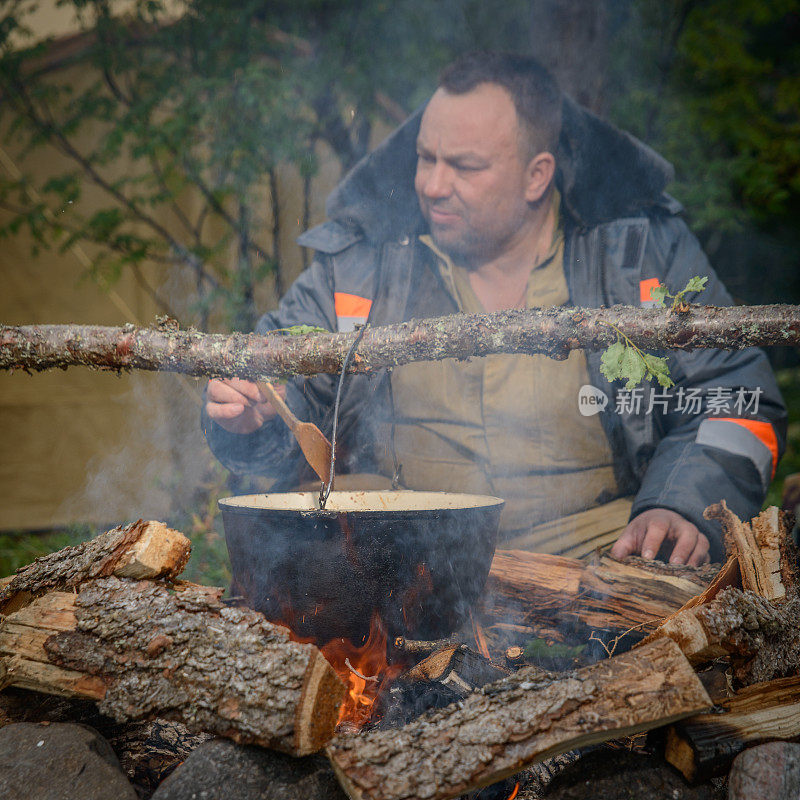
[221, 769]
[59, 761]
[766, 772]
[606, 773]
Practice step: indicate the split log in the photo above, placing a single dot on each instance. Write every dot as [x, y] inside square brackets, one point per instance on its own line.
[637, 593]
[552, 331]
[704, 745]
[533, 589]
[758, 627]
[767, 555]
[143, 651]
[456, 666]
[139, 550]
[495, 732]
[763, 635]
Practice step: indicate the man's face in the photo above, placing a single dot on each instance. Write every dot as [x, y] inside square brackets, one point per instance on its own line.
[471, 176]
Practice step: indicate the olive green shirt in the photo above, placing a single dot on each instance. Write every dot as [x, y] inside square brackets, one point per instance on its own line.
[505, 425]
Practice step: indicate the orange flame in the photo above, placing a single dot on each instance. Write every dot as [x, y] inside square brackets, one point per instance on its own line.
[365, 671]
[479, 637]
[514, 793]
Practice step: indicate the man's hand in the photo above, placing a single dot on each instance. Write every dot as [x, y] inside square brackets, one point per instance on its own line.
[238, 405]
[650, 530]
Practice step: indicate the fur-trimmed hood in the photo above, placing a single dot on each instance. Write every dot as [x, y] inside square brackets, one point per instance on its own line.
[603, 174]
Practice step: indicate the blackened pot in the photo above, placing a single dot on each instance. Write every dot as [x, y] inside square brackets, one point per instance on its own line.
[418, 559]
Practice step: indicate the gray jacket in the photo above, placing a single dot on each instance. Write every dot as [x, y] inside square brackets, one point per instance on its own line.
[620, 230]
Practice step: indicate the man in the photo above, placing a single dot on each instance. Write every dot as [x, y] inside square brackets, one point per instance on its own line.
[504, 194]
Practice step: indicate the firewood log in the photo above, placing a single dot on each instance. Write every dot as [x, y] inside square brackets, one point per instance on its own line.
[767, 555]
[528, 589]
[495, 732]
[139, 550]
[141, 650]
[704, 745]
[763, 635]
[760, 626]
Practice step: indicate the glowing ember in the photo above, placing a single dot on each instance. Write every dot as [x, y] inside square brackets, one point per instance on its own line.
[479, 637]
[514, 793]
[365, 671]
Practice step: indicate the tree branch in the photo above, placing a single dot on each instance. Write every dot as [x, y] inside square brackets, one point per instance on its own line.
[553, 332]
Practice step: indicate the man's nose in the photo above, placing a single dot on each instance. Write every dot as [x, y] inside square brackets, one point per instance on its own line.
[438, 181]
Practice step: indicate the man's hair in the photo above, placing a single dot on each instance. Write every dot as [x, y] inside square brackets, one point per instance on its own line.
[535, 94]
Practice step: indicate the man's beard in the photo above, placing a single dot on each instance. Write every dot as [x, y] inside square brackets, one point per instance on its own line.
[465, 250]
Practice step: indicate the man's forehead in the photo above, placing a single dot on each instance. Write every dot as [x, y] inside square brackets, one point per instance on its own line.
[477, 121]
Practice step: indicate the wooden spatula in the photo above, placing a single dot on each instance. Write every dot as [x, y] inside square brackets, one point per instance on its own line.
[316, 448]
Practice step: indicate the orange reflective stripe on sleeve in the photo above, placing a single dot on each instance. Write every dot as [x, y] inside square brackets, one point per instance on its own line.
[763, 431]
[351, 305]
[645, 287]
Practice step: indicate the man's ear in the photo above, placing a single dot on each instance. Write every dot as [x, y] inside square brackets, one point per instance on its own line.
[539, 173]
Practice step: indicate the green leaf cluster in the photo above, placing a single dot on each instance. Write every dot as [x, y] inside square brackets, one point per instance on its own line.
[624, 361]
[660, 293]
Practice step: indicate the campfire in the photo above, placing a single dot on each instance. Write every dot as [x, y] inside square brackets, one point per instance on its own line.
[364, 670]
[554, 656]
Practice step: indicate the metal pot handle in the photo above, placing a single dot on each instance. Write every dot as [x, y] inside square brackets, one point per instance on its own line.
[325, 491]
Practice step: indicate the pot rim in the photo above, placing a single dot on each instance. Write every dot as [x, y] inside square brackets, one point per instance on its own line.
[359, 502]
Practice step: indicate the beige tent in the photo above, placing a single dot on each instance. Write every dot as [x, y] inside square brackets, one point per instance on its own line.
[87, 446]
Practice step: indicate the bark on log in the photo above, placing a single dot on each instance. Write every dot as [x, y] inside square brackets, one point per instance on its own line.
[763, 635]
[139, 550]
[143, 651]
[551, 331]
[495, 732]
[704, 745]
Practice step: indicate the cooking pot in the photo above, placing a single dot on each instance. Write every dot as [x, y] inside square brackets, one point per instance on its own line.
[418, 559]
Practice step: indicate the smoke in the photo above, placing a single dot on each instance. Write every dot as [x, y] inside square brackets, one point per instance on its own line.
[152, 464]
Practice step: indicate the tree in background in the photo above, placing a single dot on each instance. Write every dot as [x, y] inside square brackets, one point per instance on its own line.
[204, 101]
[203, 106]
[715, 87]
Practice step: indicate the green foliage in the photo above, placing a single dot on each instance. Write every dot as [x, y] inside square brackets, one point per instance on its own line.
[660, 293]
[624, 361]
[538, 650]
[789, 383]
[715, 87]
[18, 548]
[207, 107]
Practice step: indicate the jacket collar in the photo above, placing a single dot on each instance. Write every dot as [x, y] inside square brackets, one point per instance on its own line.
[603, 174]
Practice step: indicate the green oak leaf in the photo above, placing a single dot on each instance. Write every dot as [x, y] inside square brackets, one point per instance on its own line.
[658, 368]
[658, 294]
[633, 367]
[611, 361]
[696, 284]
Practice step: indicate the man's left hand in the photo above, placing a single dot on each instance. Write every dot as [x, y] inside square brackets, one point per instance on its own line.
[655, 527]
